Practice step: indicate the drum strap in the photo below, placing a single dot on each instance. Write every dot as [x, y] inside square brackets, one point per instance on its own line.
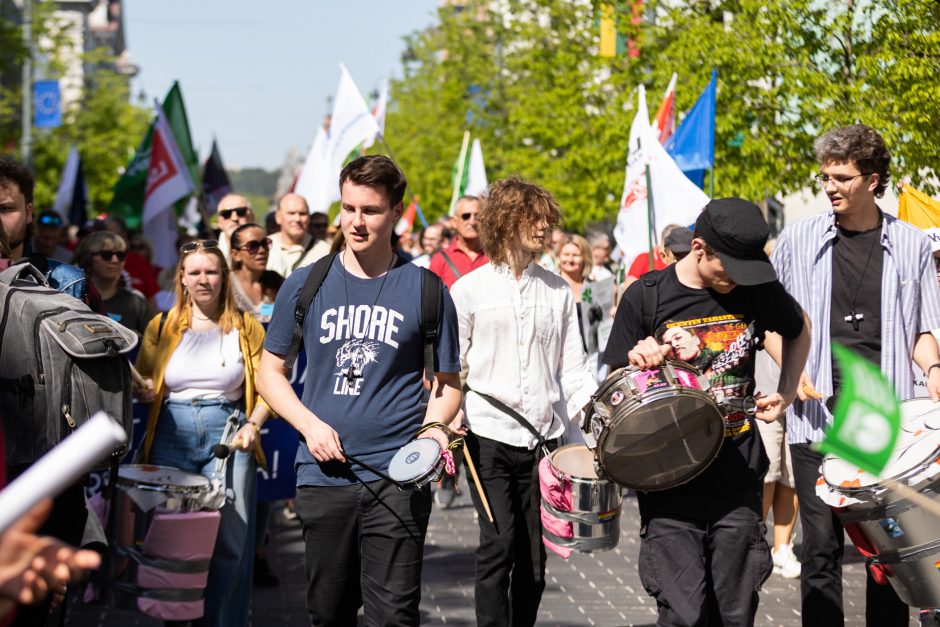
[650, 301]
[518, 418]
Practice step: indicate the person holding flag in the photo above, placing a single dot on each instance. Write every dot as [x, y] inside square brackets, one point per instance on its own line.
[703, 554]
[868, 282]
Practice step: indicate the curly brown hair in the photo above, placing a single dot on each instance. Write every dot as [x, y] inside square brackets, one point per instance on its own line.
[861, 144]
[511, 206]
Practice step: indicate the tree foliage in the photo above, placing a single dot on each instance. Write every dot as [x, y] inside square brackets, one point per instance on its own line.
[524, 77]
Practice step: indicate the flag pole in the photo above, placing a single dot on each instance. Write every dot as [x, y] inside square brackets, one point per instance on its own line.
[462, 161]
[711, 182]
[649, 205]
[411, 197]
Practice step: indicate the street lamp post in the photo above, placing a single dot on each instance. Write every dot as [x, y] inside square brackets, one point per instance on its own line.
[26, 142]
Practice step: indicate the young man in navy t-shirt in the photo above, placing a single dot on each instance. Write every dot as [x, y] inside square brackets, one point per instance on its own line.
[364, 395]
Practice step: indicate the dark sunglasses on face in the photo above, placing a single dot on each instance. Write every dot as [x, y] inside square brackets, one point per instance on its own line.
[253, 246]
[48, 220]
[227, 213]
[466, 216]
[191, 247]
[111, 255]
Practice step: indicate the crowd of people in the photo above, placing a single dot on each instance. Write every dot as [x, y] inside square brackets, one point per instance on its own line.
[502, 360]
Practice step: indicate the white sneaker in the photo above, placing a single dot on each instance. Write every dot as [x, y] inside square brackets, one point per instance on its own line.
[785, 563]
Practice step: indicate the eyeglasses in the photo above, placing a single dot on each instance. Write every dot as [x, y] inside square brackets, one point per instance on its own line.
[839, 181]
[191, 247]
[227, 213]
[466, 216]
[49, 220]
[111, 255]
[253, 246]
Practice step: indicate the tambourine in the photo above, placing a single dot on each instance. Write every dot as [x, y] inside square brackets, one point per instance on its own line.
[417, 464]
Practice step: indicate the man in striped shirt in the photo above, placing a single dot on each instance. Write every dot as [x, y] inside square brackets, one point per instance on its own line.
[867, 281]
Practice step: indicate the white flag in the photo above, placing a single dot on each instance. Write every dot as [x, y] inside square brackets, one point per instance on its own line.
[351, 125]
[378, 112]
[168, 180]
[314, 182]
[476, 171]
[676, 199]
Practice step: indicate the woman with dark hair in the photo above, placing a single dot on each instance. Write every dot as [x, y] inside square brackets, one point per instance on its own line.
[101, 255]
[200, 363]
[253, 287]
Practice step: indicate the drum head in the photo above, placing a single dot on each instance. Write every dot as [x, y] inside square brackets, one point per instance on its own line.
[663, 443]
[414, 460]
[160, 476]
[575, 460]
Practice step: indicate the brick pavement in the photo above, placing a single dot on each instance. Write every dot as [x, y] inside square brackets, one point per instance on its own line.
[601, 589]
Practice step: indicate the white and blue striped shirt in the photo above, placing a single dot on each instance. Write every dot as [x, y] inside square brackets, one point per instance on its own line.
[910, 305]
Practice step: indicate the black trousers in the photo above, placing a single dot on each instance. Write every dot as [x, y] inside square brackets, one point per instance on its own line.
[510, 561]
[823, 546]
[364, 545]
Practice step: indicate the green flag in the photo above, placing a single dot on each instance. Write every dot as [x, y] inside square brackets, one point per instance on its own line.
[128, 199]
[867, 416]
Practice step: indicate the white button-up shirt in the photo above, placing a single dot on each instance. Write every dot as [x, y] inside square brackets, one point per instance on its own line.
[283, 256]
[519, 342]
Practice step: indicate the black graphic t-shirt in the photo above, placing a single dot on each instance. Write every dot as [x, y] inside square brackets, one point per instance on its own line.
[718, 334]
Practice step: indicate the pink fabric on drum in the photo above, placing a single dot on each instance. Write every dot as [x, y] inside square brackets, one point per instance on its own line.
[557, 493]
[155, 578]
[187, 536]
[171, 610]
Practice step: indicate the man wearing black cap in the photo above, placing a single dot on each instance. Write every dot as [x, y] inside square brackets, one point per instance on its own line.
[702, 550]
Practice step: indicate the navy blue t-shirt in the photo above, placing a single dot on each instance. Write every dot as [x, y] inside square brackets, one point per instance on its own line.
[378, 410]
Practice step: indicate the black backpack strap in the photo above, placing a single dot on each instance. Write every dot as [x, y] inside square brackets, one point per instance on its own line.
[650, 301]
[432, 296]
[450, 262]
[307, 248]
[314, 280]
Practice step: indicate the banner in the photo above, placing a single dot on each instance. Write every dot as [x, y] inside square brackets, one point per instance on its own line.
[664, 124]
[215, 181]
[71, 200]
[693, 145]
[917, 208]
[47, 101]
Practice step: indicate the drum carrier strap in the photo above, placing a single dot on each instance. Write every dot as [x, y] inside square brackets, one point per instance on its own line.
[650, 301]
[506, 409]
[432, 294]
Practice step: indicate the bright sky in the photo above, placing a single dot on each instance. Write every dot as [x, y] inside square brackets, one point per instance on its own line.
[256, 75]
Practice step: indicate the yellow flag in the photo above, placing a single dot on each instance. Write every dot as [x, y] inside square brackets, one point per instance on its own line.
[608, 47]
[918, 208]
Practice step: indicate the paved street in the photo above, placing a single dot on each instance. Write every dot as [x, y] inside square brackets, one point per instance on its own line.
[602, 589]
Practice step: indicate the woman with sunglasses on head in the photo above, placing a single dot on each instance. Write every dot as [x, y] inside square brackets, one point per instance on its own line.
[101, 255]
[199, 363]
[253, 287]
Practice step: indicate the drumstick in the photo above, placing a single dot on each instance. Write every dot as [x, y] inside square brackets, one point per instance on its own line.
[914, 496]
[476, 480]
[138, 379]
[811, 391]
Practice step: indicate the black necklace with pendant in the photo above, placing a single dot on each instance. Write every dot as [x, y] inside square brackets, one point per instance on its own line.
[351, 374]
[854, 317]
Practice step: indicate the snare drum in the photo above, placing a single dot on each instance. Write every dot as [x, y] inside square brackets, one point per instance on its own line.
[580, 510]
[654, 429]
[165, 529]
[417, 464]
[905, 537]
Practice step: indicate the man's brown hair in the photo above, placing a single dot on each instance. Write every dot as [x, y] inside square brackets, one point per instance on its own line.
[510, 206]
[376, 171]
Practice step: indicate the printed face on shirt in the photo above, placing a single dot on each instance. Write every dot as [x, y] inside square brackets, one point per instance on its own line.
[293, 216]
[15, 213]
[685, 344]
[848, 188]
[202, 279]
[366, 218]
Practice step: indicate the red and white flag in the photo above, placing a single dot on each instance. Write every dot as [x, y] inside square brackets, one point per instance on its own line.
[665, 123]
[407, 220]
[168, 180]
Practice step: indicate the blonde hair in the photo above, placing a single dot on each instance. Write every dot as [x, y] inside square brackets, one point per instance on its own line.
[182, 314]
[587, 264]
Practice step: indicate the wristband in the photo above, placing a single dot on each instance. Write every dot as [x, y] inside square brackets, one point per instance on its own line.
[937, 365]
[255, 426]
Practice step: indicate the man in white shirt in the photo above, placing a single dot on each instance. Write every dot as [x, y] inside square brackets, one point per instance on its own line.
[518, 340]
[293, 247]
[233, 211]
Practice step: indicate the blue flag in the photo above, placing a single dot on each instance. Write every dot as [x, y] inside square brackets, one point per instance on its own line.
[47, 99]
[693, 144]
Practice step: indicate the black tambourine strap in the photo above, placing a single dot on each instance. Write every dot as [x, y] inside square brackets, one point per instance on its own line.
[517, 416]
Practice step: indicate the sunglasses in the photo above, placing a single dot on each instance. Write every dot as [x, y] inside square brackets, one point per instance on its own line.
[191, 247]
[466, 216]
[253, 246]
[50, 220]
[111, 255]
[227, 213]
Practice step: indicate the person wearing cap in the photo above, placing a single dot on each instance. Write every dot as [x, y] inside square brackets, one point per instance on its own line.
[47, 238]
[676, 245]
[868, 281]
[702, 547]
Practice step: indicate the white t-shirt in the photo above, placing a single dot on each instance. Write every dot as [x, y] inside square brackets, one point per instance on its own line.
[206, 366]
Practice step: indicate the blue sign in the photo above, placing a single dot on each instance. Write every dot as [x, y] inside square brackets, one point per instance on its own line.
[47, 101]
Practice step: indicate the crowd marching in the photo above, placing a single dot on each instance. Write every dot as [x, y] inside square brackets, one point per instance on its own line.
[492, 328]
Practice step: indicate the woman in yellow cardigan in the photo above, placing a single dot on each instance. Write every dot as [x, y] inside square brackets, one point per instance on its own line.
[199, 364]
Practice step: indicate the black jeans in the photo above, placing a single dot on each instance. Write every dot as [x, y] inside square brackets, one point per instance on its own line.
[703, 555]
[823, 546]
[364, 545]
[510, 564]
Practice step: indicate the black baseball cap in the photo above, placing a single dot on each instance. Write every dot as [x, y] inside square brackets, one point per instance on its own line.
[737, 231]
[679, 240]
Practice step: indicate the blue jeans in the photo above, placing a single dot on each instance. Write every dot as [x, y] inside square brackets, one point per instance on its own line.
[185, 434]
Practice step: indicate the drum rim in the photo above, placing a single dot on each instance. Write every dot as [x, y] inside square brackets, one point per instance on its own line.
[880, 485]
[428, 471]
[645, 399]
[573, 478]
[130, 482]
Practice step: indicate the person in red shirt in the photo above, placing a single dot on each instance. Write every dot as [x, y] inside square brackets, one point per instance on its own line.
[465, 254]
[641, 263]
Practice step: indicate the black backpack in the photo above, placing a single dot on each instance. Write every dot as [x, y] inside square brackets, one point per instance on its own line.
[432, 291]
[60, 363]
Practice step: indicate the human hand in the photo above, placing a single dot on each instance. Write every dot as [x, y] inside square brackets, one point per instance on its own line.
[806, 390]
[246, 439]
[933, 384]
[770, 408]
[144, 393]
[439, 435]
[31, 566]
[323, 441]
[648, 353]
[457, 425]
